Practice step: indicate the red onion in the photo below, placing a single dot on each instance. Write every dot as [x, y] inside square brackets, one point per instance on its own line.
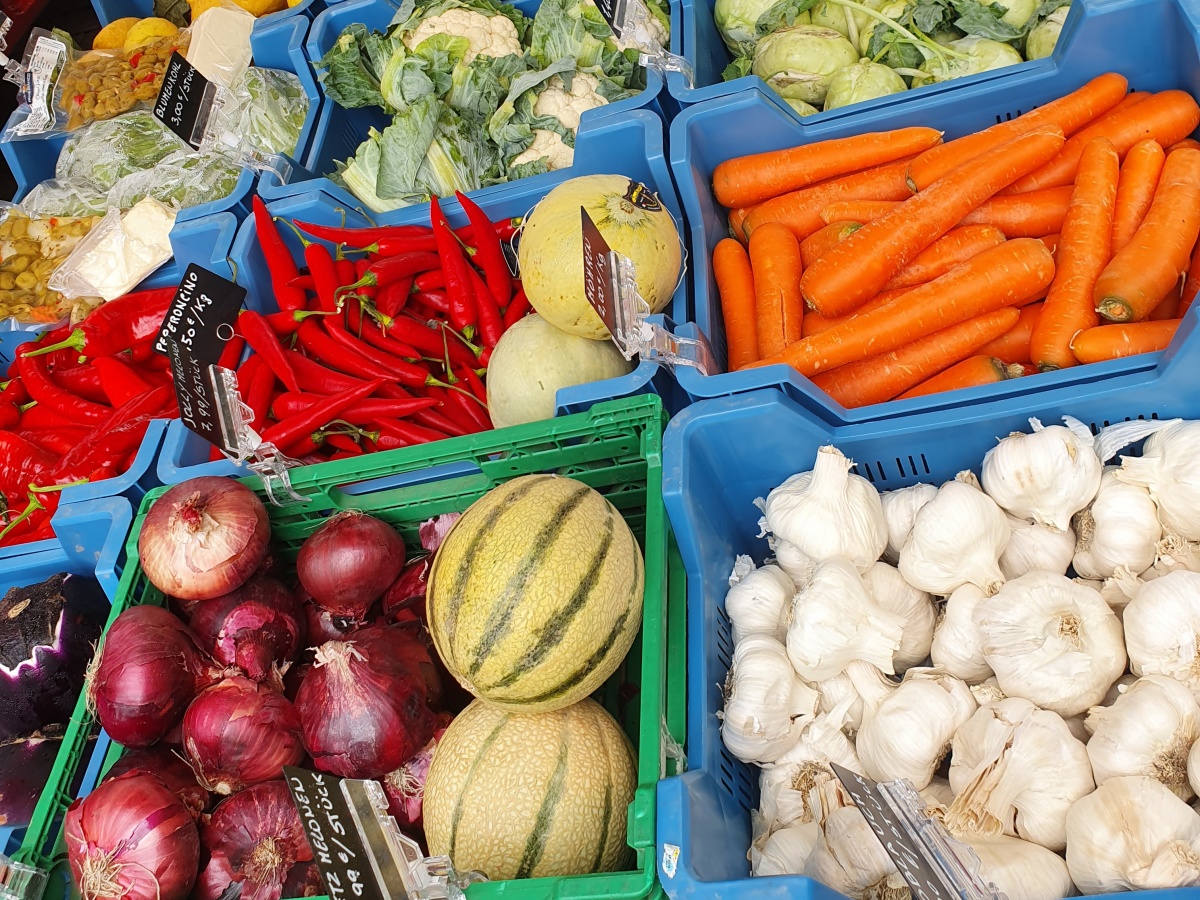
[170, 769]
[150, 669]
[294, 678]
[405, 788]
[304, 880]
[433, 531]
[238, 733]
[349, 561]
[404, 601]
[132, 839]
[215, 879]
[322, 626]
[204, 538]
[259, 832]
[254, 627]
[363, 704]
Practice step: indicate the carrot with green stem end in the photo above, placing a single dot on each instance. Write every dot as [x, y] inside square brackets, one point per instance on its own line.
[817, 245]
[1083, 252]
[974, 371]
[779, 310]
[746, 180]
[859, 267]
[1145, 269]
[1013, 345]
[1135, 190]
[815, 323]
[735, 284]
[1118, 341]
[878, 379]
[952, 249]
[1005, 275]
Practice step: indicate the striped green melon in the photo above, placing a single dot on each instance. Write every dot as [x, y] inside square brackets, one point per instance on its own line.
[536, 594]
[528, 795]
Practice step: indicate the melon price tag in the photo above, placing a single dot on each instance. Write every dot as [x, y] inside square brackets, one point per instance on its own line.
[610, 286]
[935, 866]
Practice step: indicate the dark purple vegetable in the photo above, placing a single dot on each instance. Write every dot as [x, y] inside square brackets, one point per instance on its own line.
[24, 770]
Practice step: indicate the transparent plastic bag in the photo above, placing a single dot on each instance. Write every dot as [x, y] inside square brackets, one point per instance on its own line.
[180, 181]
[261, 114]
[31, 248]
[105, 152]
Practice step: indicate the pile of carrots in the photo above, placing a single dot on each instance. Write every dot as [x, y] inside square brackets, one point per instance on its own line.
[892, 265]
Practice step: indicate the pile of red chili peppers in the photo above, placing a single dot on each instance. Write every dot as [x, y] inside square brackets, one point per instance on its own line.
[381, 343]
[76, 407]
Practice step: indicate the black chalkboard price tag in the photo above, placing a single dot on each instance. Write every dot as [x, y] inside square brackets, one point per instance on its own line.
[614, 14]
[193, 336]
[598, 285]
[184, 101]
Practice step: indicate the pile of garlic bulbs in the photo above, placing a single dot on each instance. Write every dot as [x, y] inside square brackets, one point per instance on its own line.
[1021, 647]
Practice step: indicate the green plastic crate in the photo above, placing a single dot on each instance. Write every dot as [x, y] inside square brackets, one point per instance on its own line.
[616, 448]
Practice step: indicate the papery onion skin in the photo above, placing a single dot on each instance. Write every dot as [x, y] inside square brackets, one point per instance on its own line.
[347, 563]
[150, 669]
[240, 733]
[256, 627]
[405, 788]
[169, 768]
[304, 880]
[404, 601]
[214, 879]
[363, 706]
[131, 838]
[203, 538]
[260, 833]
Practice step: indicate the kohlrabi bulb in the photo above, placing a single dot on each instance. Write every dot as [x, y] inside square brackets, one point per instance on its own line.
[864, 80]
[983, 55]
[1044, 36]
[799, 62]
[736, 20]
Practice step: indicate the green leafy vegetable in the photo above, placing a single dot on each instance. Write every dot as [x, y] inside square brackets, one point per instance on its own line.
[352, 69]
[177, 12]
[575, 28]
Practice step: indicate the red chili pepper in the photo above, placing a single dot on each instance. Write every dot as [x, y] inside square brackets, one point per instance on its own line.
[289, 404]
[318, 379]
[121, 383]
[82, 381]
[344, 443]
[451, 411]
[21, 463]
[516, 309]
[407, 432]
[143, 351]
[303, 282]
[463, 315]
[467, 374]
[430, 281]
[324, 272]
[432, 418]
[41, 417]
[376, 338]
[246, 372]
[491, 327]
[288, 431]
[432, 341]
[9, 414]
[506, 228]
[489, 254]
[437, 301]
[115, 326]
[14, 392]
[470, 408]
[231, 355]
[43, 390]
[111, 443]
[59, 441]
[258, 398]
[398, 369]
[383, 272]
[358, 269]
[262, 339]
[280, 263]
[358, 237]
[392, 297]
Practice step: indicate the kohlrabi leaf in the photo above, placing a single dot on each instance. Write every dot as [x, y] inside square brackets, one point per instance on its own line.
[739, 68]
[575, 28]
[782, 14]
[985, 21]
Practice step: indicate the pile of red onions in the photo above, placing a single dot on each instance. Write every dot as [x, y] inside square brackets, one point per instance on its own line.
[347, 563]
[405, 788]
[170, 769]
[258, 834]
[255, 627]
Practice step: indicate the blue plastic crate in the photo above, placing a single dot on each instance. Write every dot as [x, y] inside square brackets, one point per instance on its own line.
[108, 10]
[709, 133]
[277, 42]
[711, 475]
[339, 131]
[635, 150]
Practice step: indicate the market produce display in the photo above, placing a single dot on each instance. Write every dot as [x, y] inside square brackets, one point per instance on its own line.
[480, 94]
[1020, 625]
[891, 265]
[31, 248]
[820, 55]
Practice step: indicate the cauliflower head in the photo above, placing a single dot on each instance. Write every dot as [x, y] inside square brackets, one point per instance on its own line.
[493, 36]
[549, 146]
[567, 106]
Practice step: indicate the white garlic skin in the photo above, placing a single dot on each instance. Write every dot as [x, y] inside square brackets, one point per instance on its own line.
[1046, 476]
[896, 595]
[786, 787]
[1193, 767]
[1172, 554]
[957, 641]
[798, 567]
[759, 602]
[1162, 621]
[848, 857]
[900, 508]
[938, 793]
[784, 852]
[987, 691]
[1019, 869]
[1033, 547]
[1119, 528]
[957, 538]
[1132, 834]
[1052, 641]
[766, 702]
[1167, 468]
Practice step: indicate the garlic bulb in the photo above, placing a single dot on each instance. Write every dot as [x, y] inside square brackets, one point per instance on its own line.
[1193, 767]
[1149, 730]
[987, 692]
[957, 538]
[938, 793]
[1016, 770]
[1051, 641]
[900, 508]
[1171, 554]
[1167, 468]
[1119, 528]
[861, 687]
[894, 594]
[1117, 689]
[1132, 834]
[1161, 624]
[1019, 869]
[957, 641]
[849, 858]
[834, 620]
[1078, 728]
[1046, 476]
[758, 601]
[798, 567]
[765, 703]
[910, 732]
[784, 852]
[1032, 547]
[828, 512]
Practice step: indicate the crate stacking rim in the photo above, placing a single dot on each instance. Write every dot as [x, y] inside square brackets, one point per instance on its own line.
[722, 453]
[708, 133]
[616, 449]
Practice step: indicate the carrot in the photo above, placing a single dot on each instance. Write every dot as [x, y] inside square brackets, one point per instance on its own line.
[1185, 144]
[1146, 268]
[1118, 341]
[971, 372]
[801, 210]
[815, 323]
[1003, 275]
[1069, 113]
[956, 246]
[1191, 284]
[860, 211]
[1168, 306]
[736, 219]
[861, 265]
[775, 261]
[1033, 214]
[1083, 251]
[761, 176]
[1013, 345]
[880, 378]
[817, 245]
[1135, 189]
[735, 283]
[1166, 117]
[1051, 242]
